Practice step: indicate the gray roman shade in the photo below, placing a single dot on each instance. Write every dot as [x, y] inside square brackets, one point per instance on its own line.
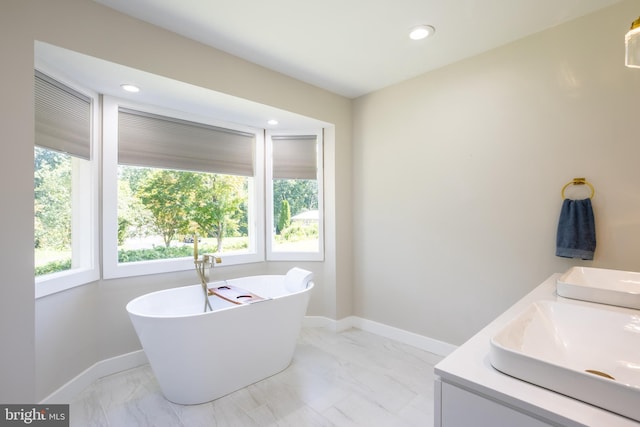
[62, 117]
[295, 156]
[150, 140]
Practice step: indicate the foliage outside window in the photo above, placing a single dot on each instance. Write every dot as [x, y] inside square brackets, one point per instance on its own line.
[296, 215]
[52, 206]
[160, 210]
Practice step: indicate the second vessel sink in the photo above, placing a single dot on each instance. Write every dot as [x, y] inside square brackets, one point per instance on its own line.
[586, 353]
[604, 286]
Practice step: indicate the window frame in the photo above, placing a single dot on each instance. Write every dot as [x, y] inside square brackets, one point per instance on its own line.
[111, 268]
[274, 255]
[85, 219]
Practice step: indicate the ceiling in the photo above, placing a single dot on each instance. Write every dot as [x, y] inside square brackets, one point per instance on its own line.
[85, 72]
[353, 47]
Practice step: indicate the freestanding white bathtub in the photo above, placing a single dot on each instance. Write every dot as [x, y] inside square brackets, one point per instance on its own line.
[200, 356]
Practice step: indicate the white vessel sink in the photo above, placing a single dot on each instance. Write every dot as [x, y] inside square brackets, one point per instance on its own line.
[614, 287]
[575, 350]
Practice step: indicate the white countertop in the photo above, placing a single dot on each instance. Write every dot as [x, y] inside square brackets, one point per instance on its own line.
[469, 367]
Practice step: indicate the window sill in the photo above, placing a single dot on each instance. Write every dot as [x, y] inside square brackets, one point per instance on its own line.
[142, 268]
[64, 280]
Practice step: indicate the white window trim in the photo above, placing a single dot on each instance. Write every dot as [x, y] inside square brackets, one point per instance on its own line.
[85, 228]
[111, 268]
[286, 255]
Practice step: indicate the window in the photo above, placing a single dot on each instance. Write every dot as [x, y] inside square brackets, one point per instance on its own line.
[65, 187]
[174, 176]
[295, 210]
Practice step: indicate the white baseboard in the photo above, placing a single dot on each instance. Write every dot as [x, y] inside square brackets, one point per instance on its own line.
[330, 324]
[431, 345]
[75, 386]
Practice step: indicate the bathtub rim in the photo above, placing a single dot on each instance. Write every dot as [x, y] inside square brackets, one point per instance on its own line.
[310, 286]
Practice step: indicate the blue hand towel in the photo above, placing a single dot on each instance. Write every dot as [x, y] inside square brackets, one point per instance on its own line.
[576, 230]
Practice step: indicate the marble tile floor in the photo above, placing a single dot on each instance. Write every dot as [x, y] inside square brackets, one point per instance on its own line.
[350, 378]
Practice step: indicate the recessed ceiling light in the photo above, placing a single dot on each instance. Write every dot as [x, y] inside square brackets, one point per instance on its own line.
[130, 88]
[421, 31]
[272, 122]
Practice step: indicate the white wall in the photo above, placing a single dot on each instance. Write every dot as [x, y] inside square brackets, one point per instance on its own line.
[46, 343]
[458, 175]
[17, 322]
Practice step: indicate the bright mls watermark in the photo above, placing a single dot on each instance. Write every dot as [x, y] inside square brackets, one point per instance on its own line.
[34, 415]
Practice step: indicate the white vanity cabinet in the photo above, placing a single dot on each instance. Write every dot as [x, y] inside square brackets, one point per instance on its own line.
[469, 392]
[462, 408]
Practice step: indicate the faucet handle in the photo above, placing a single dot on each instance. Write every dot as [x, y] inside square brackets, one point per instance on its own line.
[212, 259]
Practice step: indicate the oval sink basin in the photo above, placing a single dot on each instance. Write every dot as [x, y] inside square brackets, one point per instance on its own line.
[586, 353]
[601, 285]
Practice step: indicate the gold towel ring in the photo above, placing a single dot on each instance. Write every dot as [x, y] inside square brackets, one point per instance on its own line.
[579, 181]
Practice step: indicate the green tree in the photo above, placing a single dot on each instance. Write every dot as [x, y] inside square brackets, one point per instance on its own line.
[302, 195]
[218, 203]
[284, 220]
[133, 217]
[52, 199]
[169, 196]
[186, 202]
[133, 175]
